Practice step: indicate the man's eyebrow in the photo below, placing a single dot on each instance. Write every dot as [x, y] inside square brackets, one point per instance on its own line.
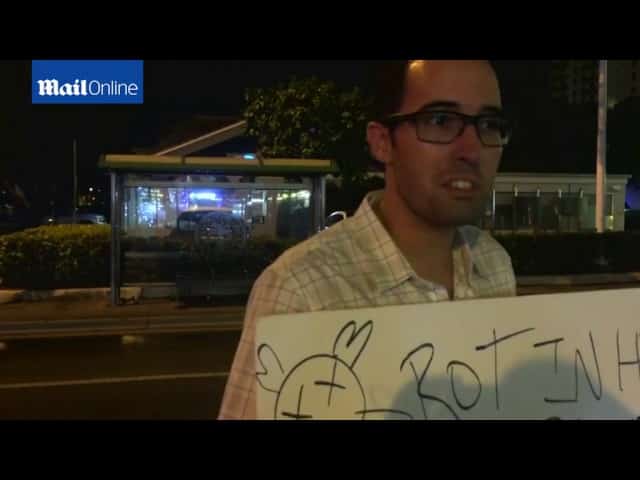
[492, 109]
[440, 104]
[455, 106]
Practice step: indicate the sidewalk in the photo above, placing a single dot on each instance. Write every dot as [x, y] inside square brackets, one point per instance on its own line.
[148, 293]
[89, 312]
[73, 317]
[74, 308]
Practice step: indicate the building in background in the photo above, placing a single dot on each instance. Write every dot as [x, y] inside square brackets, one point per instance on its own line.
[575, 81]
[92, 198]
[623, 80]
[552, 202]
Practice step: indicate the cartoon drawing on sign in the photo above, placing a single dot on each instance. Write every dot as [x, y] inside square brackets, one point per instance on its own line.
[321, 385]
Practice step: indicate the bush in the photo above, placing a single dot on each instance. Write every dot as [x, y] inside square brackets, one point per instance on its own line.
[68, 256]
[219, 260]
[235, 259]
[78, 256]
[62, 256]
[153, 244]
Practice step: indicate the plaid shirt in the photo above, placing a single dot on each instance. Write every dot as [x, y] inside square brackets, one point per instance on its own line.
[356, 264]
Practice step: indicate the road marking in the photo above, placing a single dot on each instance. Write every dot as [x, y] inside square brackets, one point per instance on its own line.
[132, 339]
[97, 381]
[60, 330]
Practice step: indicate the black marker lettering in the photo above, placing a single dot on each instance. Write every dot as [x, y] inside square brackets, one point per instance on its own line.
[333, 381]
[453, 388]
[555, 350]
[495, 355]
[419, 383]
[420, 379]
[297, 415]
[329, 384]
[633, 362]
[575, 396]
[384, 410]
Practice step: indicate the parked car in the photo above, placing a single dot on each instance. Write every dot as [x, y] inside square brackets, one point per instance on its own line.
[207, 225]
[80, 219]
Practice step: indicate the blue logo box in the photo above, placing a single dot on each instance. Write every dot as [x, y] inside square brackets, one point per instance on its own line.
[87, 81]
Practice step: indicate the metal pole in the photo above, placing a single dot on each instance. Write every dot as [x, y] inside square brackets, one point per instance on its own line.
[601, 162]
[75, 181]
[115, 238]
[318, 202]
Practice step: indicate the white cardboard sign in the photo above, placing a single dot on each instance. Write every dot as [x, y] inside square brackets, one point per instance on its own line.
[567, 356]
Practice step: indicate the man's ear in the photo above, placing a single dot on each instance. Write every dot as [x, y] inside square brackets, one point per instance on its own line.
[379, 140]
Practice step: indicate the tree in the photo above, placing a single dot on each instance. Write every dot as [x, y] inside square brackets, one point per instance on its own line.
[311, 118]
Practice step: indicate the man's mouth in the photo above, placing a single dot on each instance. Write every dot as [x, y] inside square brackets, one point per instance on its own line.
[461, 185]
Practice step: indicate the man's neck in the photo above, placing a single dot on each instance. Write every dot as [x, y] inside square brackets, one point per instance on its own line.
[426, 247]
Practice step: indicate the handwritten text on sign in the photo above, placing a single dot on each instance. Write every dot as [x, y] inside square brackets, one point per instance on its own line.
[545, 356]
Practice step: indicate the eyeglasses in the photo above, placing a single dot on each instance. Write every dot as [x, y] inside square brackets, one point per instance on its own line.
[443, 127]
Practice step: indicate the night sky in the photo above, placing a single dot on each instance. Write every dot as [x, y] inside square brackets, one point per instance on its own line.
[37, 139]
[172, 90]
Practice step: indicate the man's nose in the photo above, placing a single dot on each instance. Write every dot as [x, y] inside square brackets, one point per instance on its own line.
[468, 144]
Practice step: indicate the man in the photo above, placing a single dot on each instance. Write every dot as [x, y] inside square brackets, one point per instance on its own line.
[440, 132]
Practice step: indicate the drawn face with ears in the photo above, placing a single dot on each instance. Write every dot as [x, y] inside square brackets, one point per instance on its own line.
[320, 385]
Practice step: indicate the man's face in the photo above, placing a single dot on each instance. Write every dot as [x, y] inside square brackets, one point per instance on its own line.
[445, 185]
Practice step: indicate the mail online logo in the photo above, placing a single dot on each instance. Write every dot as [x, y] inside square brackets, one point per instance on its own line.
[87, 81]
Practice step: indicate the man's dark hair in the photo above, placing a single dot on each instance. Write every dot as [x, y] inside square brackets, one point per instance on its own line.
[389, 87]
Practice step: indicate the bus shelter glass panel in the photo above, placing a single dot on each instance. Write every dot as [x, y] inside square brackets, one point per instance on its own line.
[223, 232]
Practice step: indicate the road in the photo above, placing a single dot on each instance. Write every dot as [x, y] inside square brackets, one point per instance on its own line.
[152, 377]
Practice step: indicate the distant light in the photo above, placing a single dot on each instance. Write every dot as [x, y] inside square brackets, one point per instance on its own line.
[203, 196]
[91, 189]
[249, 156]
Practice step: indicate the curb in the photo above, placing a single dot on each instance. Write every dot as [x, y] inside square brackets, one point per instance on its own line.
[118, 326]
[8, 296]
[168, 290]
[585, 279]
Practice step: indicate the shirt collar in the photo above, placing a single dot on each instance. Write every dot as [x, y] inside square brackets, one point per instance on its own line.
[389, 266]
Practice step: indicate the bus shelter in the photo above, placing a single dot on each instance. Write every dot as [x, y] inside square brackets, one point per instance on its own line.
[208, 225]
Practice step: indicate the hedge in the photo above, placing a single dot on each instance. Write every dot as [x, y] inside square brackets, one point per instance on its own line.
[60, 256]
[68, 256]
[573, 253]
[78, 256]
